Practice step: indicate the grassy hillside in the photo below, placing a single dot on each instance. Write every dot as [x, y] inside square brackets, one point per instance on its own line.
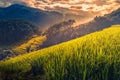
[93, 57]
[27, 46]
[31, 45]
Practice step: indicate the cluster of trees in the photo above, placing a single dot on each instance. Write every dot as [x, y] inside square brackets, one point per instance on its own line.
[56, 33]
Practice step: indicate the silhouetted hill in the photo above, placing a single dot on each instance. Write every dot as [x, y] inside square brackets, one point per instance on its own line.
[61, 32]
[41, 18]
[14, 31]
[58, 33]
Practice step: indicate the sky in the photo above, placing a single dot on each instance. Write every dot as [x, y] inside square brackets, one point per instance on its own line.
[85, 5]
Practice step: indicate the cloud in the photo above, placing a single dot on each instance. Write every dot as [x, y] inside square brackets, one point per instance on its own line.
[102, 6]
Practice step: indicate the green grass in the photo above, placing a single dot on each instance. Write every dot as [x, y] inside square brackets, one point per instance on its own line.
[93, 57]
[26, 46]
[30, 46]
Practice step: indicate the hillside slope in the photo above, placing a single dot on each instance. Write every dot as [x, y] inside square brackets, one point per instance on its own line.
[16, 30]
[64, 31]
[27, 46]
[93, 57]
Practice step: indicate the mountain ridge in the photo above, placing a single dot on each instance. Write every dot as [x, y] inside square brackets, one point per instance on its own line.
[37, 16]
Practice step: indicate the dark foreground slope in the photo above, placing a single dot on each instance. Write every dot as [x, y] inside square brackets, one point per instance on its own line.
[92, 57]
[16, 30]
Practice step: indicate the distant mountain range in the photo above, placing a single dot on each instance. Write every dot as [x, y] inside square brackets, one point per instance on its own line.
[42, 18]
[37, 16]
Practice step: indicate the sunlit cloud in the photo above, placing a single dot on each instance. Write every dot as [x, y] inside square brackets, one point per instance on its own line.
[85, 5]
[102, 6]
